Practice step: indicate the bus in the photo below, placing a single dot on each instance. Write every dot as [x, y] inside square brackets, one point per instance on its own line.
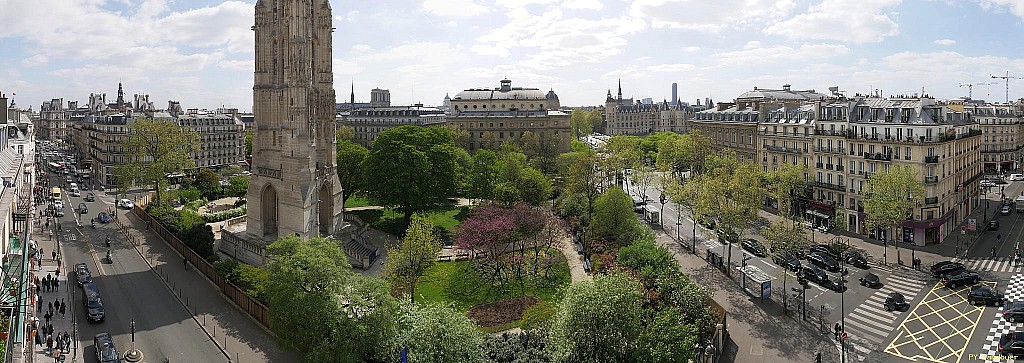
[55, 193]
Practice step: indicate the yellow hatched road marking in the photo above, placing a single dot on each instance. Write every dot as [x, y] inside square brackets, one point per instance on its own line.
[908, 344]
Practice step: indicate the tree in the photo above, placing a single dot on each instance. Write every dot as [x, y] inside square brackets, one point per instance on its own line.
[614, 221]
[784, 239]
[248, 143]
[350, 161]
[689, 152]
[542, 150]
[648, 259]
[582, 180]
[155, 149]
[320, 307]
[229, 171]
[434, 333]
[598, 321]
[734, 190]
[237, 186]
[411, 258]
[345, 133]
[621, 152]
[783, 183]
[582, 123]
[489, 141]
[483, 174]
[518, 182]
[892, 195]
[511, 241]
[667, 337]
[529, 346]
[413, 168]
[208, 183]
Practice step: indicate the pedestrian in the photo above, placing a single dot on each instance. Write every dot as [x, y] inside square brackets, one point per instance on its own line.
[184, 261]
[39, 338]
[58, 271]
[63, 310]
[39, 306]
[49, 344]
[837, 327]
[53, 255]
[49, 307]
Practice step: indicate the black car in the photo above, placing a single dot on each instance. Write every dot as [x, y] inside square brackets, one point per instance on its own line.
[755, 247]
[856, 259]
[827, 250]
[93, 303]
[871, 280]
[824, 261]
[993, 225]
[706, 221]
[82, 274]
[788, 260]
[1011, 344]
[946, 267]
[638, 205]
[728, 237]
[105, 350]
[82, 208]
[985, 295]
[813, 273]
[962, 278]
[837, 284]
[895, 301]
[1014, 311]
[90, 197]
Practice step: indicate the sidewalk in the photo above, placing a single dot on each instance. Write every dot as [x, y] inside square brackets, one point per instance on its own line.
[238, 335]
[61, 323]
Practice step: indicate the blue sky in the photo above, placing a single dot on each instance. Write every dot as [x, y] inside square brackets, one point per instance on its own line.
[200, 52]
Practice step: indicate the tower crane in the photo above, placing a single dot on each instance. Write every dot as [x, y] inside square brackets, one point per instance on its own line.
[970, 87]
[1007, 79]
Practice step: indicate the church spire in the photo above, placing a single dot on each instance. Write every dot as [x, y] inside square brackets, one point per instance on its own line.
[620, 88]
[352, 100]
[120, 95]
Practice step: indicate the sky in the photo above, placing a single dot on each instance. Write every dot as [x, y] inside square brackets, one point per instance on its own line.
[200, 52]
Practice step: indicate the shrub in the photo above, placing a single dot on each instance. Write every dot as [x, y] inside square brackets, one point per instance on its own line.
[648, 259]
[187, 196]
[227, 269]
[253, 280]
[537, 316]
[225, 215]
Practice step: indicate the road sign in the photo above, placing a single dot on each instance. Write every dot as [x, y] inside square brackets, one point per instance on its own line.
[844, 337]
[963, 229]
[972, 224]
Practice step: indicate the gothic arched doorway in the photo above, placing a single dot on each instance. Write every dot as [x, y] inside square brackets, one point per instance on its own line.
[268, 211]
[325, 209]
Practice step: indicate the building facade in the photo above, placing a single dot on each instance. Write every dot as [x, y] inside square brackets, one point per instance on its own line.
[368, 123]
[221, 138]
[1002, 127]
[494, 116]
[624, 116]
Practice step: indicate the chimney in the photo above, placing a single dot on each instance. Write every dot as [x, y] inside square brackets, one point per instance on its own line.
[3, 108]
[785, 87]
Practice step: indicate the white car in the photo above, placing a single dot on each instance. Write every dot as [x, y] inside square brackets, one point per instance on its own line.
[987, 183]
[125, 203]
[1016, 177]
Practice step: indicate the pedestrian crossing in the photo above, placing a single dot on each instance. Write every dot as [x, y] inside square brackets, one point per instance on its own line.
[1014, 291]
[869, 324]
[70, 237]
[994, 264]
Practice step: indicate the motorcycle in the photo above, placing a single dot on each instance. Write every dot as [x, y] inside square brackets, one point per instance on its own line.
[108, 241]
[110, 257]
[93, 223]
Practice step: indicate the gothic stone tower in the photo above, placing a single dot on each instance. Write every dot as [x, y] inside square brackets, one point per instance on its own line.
[294, 189]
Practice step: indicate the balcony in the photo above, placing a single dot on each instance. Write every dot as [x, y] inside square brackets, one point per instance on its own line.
[830, 150]
[839, 167]
[836, 187]
[931, 159]
[931, 200]
[868, 175]
[782, 149]
[819, 165]
[828, 166]
[931, 179]
[828, 133]
[877, 156]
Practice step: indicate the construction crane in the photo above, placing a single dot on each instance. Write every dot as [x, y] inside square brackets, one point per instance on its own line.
[1007, 79]
[970, 87]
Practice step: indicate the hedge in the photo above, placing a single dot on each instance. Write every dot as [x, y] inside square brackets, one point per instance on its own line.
[225, 215]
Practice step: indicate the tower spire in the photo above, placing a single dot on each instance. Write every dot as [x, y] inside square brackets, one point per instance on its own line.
[620, 88]
[352, 100]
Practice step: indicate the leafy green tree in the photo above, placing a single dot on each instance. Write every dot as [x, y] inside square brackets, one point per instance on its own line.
[785, 182]
[483, 174]
[489, 141]
[518, 182]
[237, 186]
[253, 280]
[582, 122]
[229, 171]
[189, 195]
[351, 158]
[155, 149]
[784, 238]
[320, 307]
[413, 256]
[345, 133]
[248, 143]
[542, 150]
[648, 259]
[735, 191]
[621, 152]
[668, 337]
[614, 221]
[583, 181]
[208, 183]
[434, 333]
[413, 168]
[891, 197]
[678, 155]
[529, 346]
[649, 145]
[598, 321]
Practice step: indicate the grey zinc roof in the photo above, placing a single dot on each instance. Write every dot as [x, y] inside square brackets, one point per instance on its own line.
[493, 94]
[780, 94]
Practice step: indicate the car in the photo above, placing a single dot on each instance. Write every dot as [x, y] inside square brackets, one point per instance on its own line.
[83, 208]
[993, 225]
[945, 267]
[67, 178]
[1005, 211]
[1014, 311]
[728, 237]
[985, 295]
[59, 212]
[58, 204]
[1016, 177]
[85, 187]
[1001, 181]
[707, 221]
[987, 183]
[824, 261]
[961, 278]
[870, 280]
[826, 250]
[93, 303]
[90, 197]
[103, 217]
[76, 192]
[788, 260]
[814, 273]
[125, 204]
[857, 259]
[638, 205]
[106, 352]
[82, 274]
[755, 247]
[895, 301]
[837, 284]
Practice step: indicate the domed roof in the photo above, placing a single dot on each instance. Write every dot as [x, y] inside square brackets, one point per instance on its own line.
[505, 92]
[552, 96]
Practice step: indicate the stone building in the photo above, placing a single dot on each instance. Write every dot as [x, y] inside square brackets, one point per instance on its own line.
[368, 123]
[1002, 127]
[380, 98]
[221, 138]
[505, 113]
[624, 116]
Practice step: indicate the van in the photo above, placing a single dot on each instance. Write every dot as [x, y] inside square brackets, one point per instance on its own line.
[1016, 177]
[93, 303]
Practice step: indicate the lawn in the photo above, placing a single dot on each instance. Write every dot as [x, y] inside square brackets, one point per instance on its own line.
[359, 200]
[457, 283]
[390, 221]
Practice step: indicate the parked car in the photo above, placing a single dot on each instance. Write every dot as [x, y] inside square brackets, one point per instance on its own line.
[837, 284]
[707, 222]
[90, 197]
[987, 183]
[125, 204]
[993, 225]
[106, 352]
[103, 217]
[1005, 211]
[1001, 181]
[638, 205]
[856, 259]
[961, 278]
[728, 237]
[824, 261]
[870, 280]
[755, 247]
[945, 267]
[827, 250]
[985, 295]
[1011, 344]
[787, 260]
[93, 303]
[814, 273]
[895, 301]
[82, 274]
[1014, 311]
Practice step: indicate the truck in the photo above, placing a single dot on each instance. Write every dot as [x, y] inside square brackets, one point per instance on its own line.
[1020, 204]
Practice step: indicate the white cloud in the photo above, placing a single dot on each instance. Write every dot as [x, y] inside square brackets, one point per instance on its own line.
[756, 56]
[678, 67]
[708, 15]
[35, 61]
[858, 22]
[945, 42]
[583, 4]
[453, 7]
[1015, 6]
[522, 3]
[361, 48]
[691, 49]
[238, 65]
